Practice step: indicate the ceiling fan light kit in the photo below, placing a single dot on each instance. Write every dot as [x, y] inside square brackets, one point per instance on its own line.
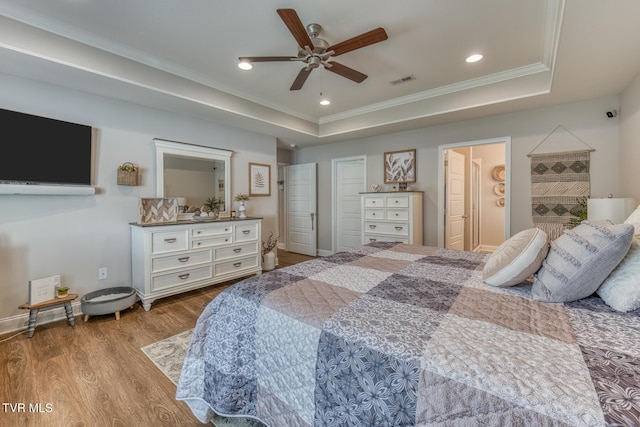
[314, 51]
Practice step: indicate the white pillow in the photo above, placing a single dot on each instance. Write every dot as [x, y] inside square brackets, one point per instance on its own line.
[634, 219]
[621, 289]
[516, 259]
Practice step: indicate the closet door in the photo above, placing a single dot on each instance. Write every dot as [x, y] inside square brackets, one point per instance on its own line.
[300, 208]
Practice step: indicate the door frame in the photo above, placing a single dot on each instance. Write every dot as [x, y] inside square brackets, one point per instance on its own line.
[506, 140]
[334, 192]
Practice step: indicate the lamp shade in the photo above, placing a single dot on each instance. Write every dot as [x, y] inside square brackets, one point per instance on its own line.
[613, 209]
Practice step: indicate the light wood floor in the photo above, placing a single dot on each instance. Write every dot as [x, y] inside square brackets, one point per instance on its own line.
[94, 374]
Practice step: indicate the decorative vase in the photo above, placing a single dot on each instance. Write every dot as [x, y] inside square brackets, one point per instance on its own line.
[242, 210]
[269, 261]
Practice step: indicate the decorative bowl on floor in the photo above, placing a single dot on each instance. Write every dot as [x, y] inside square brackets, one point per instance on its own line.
[107, 301]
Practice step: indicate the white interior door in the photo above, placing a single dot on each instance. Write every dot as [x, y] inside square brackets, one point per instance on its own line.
[348, 183]
[300, 208]
[454, 221]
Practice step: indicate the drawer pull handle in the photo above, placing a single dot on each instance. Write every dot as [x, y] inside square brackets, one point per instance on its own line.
[226, 240]
[373, 201]
[372, 240]
[199, 243]
[237, 250]
[246, 231]
[373, 214]
[183, 259]
[237, 264]
[372, 226]
[198, 232]
[396, 201]
[399, 228]
[172, 240]
[226, 229]
[184, 276]
[396, 214]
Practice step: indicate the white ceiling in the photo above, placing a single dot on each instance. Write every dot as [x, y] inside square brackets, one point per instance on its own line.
[182, 56]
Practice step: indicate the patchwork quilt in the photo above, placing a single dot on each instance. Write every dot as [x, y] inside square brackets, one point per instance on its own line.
[398, 335]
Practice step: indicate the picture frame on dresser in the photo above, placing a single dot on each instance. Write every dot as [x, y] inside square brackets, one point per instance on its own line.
[400, 166]
[259, 180]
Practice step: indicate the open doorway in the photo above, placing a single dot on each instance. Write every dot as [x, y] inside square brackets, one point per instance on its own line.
[474, 194]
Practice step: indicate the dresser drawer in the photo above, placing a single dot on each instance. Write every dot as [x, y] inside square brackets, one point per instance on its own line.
[164, 263]
[235, 251]
[216, 230]
[398, 214]
[400, 229]
[372, 238]
[232, 266]
[374, 214]
[208, 242]
[169, 241]
[397, 201]
[374, 202]
[245, 232]
[165, 281]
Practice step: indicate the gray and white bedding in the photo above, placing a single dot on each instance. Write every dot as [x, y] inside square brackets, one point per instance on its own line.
[398, 335]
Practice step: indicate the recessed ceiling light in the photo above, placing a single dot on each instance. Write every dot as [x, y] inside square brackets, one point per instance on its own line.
[325, 102]
[244, 65]
[474, 58]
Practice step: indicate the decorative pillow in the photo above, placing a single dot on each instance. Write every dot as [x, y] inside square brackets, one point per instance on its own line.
[579, 261]
[634, 219]
[516, 258]
[621, 290]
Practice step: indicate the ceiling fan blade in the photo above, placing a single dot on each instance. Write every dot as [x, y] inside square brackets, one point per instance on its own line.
[267, 58]
[345, 71]
[293, 23]
[301, 78]
[365, 39]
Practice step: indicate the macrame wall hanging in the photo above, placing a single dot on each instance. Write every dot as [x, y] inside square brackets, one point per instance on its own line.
[558, 182]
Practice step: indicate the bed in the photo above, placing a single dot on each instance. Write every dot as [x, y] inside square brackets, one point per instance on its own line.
[390, 334]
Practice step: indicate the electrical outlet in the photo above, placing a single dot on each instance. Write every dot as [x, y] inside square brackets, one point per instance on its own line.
[102, 273]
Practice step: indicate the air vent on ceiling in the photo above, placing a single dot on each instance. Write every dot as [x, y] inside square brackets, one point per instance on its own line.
[403, 80]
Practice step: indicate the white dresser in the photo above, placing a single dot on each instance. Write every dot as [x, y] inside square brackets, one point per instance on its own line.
[167, 259]
[392, 217]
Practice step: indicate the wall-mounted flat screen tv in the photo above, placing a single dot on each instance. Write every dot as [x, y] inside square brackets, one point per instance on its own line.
[40, 150]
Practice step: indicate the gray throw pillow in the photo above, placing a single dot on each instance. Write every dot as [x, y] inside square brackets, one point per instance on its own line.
[579, 261]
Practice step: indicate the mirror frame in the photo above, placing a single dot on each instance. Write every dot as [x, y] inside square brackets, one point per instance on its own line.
[182, 149]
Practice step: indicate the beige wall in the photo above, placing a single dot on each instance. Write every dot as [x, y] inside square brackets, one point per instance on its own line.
[75, 235]
[629, 116]
[527, 129]
[492, 218]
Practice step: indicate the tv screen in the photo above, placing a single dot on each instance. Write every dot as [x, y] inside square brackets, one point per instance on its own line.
[39, 150]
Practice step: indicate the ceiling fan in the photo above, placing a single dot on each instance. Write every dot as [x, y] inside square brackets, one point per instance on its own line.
[314, 51]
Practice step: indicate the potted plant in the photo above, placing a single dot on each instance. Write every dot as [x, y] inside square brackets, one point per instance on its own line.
[242, 210]
[62, 291]
[214, 205]
[268, 257]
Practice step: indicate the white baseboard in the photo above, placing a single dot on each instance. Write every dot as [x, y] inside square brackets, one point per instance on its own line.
[324, 252]
[486, 248]
[21, 321]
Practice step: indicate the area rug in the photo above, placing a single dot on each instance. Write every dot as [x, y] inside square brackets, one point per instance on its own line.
[168, 355]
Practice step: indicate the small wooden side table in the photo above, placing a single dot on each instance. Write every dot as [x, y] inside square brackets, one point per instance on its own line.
[47, 305]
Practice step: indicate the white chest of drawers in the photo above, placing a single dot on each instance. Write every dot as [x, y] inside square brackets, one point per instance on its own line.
[392, 217]
[168, 259]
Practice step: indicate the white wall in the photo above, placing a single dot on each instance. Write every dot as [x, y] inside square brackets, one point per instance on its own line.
[75, 235]
[585, 119]
[629, 115]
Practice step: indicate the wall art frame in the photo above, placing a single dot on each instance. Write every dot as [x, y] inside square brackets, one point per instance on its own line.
[259, 180]
[399, 166]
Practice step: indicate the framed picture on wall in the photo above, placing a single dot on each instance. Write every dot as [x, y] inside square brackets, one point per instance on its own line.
[400, 166]
[259, 180]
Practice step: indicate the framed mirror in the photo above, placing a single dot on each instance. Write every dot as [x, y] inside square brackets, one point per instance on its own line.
[192, 174]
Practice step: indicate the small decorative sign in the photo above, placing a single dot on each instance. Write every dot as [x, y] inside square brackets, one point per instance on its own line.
[41, 290]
